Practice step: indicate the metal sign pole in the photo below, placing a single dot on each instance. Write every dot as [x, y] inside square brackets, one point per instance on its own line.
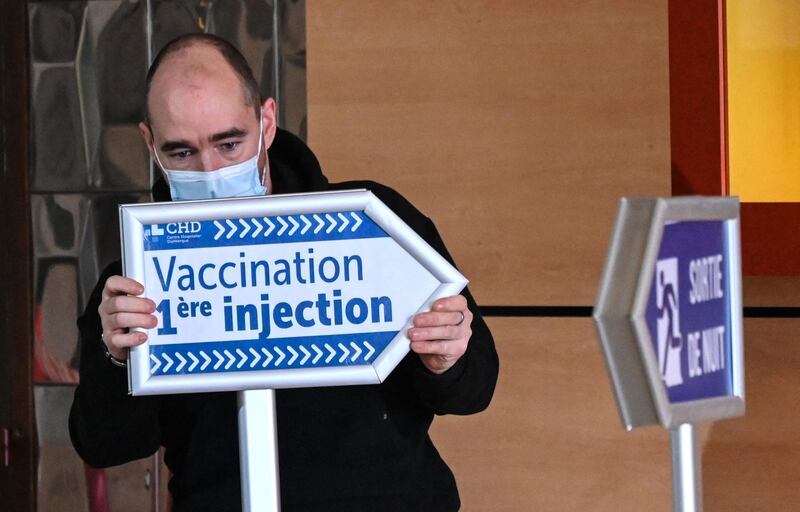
[687, 481]
[258, 451]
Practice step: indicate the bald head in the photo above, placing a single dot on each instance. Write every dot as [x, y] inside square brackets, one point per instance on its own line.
[191, 59]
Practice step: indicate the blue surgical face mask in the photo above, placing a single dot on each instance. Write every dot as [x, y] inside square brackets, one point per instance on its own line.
[238, 180]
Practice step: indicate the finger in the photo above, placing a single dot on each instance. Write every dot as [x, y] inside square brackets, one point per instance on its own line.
[118, 285]
[128, 304]
[130, 320]
[454, 303]
[434, 319]
[122, 340]
[438, 348]
[444, 332]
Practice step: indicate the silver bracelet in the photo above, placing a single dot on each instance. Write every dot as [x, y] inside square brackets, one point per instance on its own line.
[114, 360]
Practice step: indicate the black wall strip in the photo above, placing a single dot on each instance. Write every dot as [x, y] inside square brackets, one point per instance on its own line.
[586, 311]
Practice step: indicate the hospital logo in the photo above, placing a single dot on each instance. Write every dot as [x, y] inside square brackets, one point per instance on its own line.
[156, 230]
[670, 340]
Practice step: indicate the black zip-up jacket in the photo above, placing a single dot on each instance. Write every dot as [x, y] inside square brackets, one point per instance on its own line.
[347, 448]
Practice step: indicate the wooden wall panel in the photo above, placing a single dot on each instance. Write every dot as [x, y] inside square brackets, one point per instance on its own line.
[515, 125]
[552, 438]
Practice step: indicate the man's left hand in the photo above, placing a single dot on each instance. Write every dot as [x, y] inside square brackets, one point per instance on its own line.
[440, 336]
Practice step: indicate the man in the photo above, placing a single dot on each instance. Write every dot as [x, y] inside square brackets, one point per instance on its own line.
[340, 448]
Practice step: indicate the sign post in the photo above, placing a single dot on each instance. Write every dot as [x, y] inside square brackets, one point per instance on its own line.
[260, 293]
[669, 319]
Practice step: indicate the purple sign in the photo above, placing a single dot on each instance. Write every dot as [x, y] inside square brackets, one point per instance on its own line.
[688, 311]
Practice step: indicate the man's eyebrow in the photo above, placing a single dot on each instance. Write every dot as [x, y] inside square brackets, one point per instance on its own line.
[172, 145]
[228, 134]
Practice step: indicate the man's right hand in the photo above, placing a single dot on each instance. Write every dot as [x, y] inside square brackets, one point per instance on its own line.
[122, 309]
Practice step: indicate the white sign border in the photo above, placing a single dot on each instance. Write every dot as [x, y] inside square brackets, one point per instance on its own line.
[134, 217]
[620, 311]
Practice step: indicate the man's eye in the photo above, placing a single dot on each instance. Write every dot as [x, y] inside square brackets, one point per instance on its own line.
[229, 146]
[180, 155]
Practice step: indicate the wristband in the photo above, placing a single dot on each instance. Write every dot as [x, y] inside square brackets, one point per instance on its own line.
[114, 360]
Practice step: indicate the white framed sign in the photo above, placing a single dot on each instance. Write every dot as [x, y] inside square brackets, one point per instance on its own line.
[281, 291]
[669, 311]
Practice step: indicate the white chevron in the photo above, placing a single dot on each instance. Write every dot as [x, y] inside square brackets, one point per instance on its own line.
[370, 351]
[267, 357]
[271, 226]
[358, 221]
[207, 360]
[246, 227]
[194, 361]
[221, 229]
[283, 224]
[243, 357]
[345, 222]
[320, 223]
[232, 226]
[281, 355]
[345, 353]
[356, 349]
[294, 355]
[307, 224]
[258, 228]
[256, 357]
[230, 357]
[319, 354]
[332, 353]
[183, 361]
[169, 363]
[306, 352]
[220, 359]
[332, 221]
[295, 225]
[155, 360]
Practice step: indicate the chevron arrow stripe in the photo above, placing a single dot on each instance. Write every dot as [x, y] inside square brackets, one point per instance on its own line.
[220, 359]
[320, 223]
[370, 351]
[295, 225]
[284, 226]
[194, 361]
[206, 359]
[256, 357]
[230, 357]
[245, 228]
[243, 357]
[232, 227]
[357, 219]
[318, 352]
[281, 356]
[169, 363]
[307, 355]
[294, 355]
[345, 353]
[270, 226]
[221, 229]
[257, 229]
[332, 223]
[155, 360]
[267, 357]
[331, 353]
[345, 222]
[182, 360]
[307, 224]
[356, 350]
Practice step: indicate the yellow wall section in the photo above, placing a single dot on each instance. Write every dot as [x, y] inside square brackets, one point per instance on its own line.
[764, 99]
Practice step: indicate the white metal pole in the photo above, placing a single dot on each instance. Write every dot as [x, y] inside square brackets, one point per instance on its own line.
[687, 481]
[258, 451]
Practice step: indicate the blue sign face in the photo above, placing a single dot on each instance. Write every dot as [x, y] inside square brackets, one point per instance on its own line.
[277, 293]
[688, 311]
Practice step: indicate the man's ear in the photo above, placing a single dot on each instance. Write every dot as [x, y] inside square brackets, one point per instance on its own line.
[147, 135]
[270, 122]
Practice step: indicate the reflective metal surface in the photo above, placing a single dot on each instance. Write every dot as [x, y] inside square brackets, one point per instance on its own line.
[88, 63]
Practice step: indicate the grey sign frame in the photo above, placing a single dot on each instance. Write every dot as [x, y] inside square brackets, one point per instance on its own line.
[620, 309]
[134, 217]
